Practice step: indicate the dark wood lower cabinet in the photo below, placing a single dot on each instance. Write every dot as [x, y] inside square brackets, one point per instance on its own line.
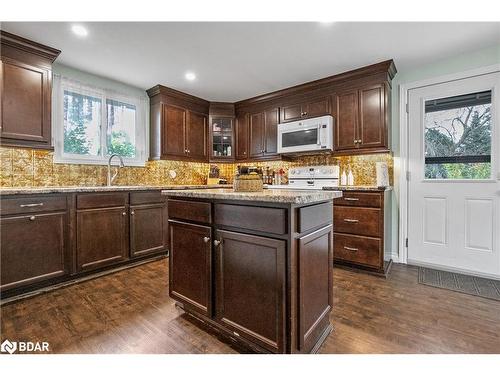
[190, 265]
[55, 237]
[315, 257]
[102, 237]
[148, 229]
[250, 287]
[34, 248]
[267, 286]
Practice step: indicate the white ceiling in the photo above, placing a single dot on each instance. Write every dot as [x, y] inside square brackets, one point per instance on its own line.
[235, 61]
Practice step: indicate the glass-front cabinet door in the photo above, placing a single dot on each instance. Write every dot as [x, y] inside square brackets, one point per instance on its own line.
[222, 138]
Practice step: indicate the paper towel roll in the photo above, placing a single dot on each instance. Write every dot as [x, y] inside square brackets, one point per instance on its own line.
[382, 173]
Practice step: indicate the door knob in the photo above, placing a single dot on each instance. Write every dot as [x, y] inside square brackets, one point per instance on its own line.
[216, 242]
[206, 239]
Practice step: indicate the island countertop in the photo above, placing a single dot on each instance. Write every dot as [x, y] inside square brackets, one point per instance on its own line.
[268, 195]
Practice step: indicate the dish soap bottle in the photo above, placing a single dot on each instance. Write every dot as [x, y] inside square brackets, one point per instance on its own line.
[343, 179]
[350, 178]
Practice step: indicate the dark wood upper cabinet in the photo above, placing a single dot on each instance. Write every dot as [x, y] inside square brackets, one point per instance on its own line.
[256, 134]
[242, 137]
[250, 287]
[307, 109]
[174, 131]
[359, 100]
[372, 117]
[291, 112]
[271, 117]
[197, 136]
[346, 105]
[362, 119]
[222, 132]
[263, 134]
[178, 125]
[26, 89]
[190, 265]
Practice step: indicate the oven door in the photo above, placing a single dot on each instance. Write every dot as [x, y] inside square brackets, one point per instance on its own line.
[306, 138]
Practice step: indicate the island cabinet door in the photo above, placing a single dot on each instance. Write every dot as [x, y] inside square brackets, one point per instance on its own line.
[315, 262]
[190, 265]
[250, 288]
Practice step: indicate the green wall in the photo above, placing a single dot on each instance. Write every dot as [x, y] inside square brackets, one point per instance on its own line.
[459, 63]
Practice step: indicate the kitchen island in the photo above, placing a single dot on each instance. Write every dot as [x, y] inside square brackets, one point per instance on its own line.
[256, 267]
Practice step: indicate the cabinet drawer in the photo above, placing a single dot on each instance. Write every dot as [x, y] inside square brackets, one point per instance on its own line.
[357, 249]
[262, 219]
[146, 197]
[189, 210]
[38, 203]
[101, 200]
[315, 216]
[357, 220]
[360, 199]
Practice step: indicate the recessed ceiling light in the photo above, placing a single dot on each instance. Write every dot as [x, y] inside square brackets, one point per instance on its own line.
[190, 76]
[79, 30]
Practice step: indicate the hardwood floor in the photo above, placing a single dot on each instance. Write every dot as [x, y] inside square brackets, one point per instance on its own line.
[130, 312]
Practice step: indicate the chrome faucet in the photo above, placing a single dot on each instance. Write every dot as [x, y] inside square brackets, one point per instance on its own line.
[111, 179]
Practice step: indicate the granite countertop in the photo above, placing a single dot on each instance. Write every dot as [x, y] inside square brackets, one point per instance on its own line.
[268, 195]
[98, 189]
[359, 187]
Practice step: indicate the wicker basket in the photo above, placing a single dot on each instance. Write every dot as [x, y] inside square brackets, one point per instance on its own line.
[248, 183]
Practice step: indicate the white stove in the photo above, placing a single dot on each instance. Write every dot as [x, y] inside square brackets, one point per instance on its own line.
[311, 178]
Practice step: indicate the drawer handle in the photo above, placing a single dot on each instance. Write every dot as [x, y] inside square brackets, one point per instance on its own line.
[32, 218]
[353, 221]
[31, 205]
[206, 239]
[351, 199]
[350, 248]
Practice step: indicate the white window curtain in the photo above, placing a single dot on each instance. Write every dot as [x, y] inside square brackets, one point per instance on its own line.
[104, 98]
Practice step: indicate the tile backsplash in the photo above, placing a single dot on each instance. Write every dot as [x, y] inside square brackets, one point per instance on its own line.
[35, 168]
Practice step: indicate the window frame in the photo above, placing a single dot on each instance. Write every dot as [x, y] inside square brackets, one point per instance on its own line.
[58, 125]
[493, 150]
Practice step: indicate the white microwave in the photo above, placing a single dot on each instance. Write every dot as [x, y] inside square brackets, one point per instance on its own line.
[314, 134]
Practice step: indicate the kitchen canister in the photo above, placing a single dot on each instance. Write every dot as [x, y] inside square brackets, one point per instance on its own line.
[382, 170]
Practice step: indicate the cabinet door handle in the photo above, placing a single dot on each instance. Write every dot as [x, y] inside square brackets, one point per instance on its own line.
[351, 221]
[206, 239]
[32, 218]
[216, 242]
[350, 248]
[132, 213]
[124, 213]
[351, 199]
[188, 151]
[31, 205]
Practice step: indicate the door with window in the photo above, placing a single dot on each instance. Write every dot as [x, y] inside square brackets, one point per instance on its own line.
[454, 187]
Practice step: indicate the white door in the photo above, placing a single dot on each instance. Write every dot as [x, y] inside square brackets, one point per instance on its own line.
[454, 187]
